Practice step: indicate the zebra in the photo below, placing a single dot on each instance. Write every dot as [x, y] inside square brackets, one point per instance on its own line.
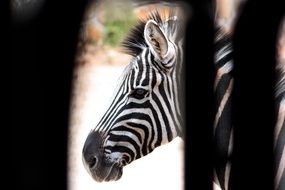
[147, 108]
[225, 16]
[279, 129]
[223, 125]
[223, 128]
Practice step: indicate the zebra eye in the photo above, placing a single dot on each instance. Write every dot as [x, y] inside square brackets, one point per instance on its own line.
[139, 93]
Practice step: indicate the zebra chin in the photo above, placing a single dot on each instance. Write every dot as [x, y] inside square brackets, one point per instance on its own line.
[107, 174]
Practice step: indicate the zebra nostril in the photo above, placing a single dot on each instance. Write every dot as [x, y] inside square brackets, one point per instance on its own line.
[92, 161]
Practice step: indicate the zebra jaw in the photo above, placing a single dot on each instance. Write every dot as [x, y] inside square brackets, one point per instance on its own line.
[99, 166]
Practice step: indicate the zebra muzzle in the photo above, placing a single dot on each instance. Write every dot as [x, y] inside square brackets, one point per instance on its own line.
[96, 162]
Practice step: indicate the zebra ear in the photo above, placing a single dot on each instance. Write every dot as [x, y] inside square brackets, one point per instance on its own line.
[156, 39]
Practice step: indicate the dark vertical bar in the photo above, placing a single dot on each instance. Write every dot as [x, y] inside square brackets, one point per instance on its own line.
[57, 39]
[26, 151]
[199, 98]
[253, 95]
[41, 56]
[6, 115]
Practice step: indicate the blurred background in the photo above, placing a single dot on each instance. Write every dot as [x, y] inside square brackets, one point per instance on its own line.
[99, 64]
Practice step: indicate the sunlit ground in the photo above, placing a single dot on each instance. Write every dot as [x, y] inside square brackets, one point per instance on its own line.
[95, 82]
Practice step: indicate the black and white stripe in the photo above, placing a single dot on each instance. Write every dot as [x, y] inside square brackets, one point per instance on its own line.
[279, 132]
[135, 124]
[223, 129]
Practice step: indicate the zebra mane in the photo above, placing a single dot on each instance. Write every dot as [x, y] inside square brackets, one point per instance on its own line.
[134, 43]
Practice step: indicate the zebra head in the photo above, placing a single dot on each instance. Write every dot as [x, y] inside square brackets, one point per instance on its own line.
[145, 112]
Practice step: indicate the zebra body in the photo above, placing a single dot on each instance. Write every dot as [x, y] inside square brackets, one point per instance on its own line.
[146, 109]
[279, 130]
[223, 128]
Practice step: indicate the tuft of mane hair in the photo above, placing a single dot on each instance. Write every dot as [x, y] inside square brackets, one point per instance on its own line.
[134, 43]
